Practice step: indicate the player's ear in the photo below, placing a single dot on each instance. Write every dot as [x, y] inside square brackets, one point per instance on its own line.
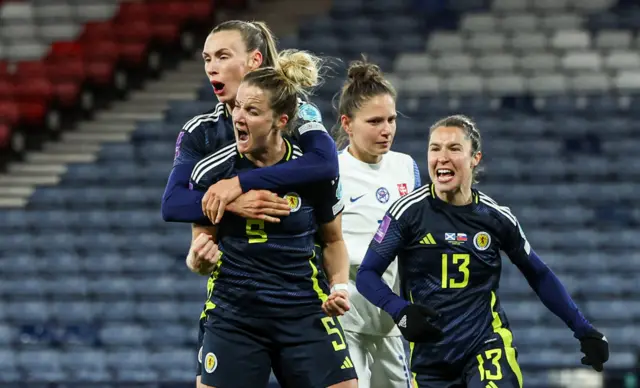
[345, 122]
[282, 121]
[255, 60]
[476, 159]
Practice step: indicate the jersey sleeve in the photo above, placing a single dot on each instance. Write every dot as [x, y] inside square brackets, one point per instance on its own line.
[392, 236]
[179, 204]
[190, 146]
[543, 281]
[417, 181]
[514, 242]
[330, 201]
[318, 163]
[211, 169]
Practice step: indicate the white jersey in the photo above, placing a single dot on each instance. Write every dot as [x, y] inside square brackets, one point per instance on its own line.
[368, 191]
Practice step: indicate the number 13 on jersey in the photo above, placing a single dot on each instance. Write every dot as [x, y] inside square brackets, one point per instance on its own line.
[454, 267]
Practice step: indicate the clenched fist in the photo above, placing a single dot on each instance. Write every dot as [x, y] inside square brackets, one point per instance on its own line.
[203, 255]
[337, 303]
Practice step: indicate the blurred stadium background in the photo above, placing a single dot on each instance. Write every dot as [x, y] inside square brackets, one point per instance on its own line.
[93, 287]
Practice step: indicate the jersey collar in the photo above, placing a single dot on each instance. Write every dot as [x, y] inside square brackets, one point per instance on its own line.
[444, 205]
[373, 166]
[287, 154]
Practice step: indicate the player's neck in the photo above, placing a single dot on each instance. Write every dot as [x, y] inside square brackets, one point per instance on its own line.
[363, 156]
[461, 197]
[271, 154]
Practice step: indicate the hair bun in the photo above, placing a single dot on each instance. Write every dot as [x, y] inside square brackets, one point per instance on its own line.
[361, 71]
[300, 67]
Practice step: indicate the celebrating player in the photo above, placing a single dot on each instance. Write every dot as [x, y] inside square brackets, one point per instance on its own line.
[447, 237]
[267, 307]
[372, 177]
[232, 49]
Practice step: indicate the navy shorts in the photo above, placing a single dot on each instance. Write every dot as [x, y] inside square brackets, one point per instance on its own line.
[199, 348]
[304, 352]
[494, 366]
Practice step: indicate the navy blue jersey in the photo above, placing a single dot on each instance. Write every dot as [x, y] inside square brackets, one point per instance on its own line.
[206, 133]
[267, 268]
[449, 259]
[203, 134]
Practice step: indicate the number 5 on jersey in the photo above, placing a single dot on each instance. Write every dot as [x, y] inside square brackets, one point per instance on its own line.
[460, 263]
[255, 231]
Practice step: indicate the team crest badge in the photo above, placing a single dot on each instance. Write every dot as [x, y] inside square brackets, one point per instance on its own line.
[210, 362]
[200, 355]
[481, 241]
[402, 189]
[382, 194]
[294, 201]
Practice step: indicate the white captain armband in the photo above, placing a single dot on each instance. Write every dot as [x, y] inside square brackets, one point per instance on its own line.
[311, 126]
[339, 287]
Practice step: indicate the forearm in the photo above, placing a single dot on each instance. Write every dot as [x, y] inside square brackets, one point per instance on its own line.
[179, 203]
[197, 230]
[336, 262]
[553, 294]
[319, 162]
[371, 285]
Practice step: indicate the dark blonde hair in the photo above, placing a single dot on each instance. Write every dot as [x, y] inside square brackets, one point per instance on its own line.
[295, 75]
[256, 36]
[364, 81]
[471, 132]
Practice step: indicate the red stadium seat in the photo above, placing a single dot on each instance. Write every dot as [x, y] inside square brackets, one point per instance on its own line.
[170, 11]
[100, 72]
[201, 11]
[133, 40]
[67, 69]
[5, 135]
[33, 96]
[30, 69]
[94, 31]
[36, 87]
[9, 112]
[6, 89]
[100, 60]
[131, 11]
[65, 49]
[4, 69]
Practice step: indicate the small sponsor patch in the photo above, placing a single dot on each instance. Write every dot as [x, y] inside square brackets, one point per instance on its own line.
[309, 112]
[179, 143]
[382, 229]
[402, 189]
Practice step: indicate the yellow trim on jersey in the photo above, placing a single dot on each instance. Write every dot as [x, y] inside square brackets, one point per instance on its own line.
[289, 150]
[209, 305]
[314, 280]
[432, 189]
[287, 153]
[507, 339]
